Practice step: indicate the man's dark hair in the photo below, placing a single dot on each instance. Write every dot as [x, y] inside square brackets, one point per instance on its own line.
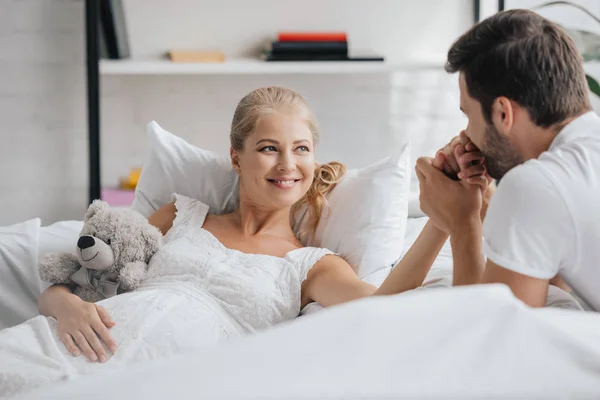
[526, 58]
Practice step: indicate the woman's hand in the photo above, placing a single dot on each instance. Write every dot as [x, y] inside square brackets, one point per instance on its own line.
[474, 171]
[460, 159]
[81, 325]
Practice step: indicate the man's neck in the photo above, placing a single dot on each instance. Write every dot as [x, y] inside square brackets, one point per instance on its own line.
[538, 139]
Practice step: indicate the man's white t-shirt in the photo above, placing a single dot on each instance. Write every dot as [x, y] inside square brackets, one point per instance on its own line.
[544, 218]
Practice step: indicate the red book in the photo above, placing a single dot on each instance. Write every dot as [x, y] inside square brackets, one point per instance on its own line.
[312, 37]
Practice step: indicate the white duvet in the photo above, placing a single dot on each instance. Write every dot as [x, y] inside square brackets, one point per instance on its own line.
[468, 342]
[477, 341]
[20, 247]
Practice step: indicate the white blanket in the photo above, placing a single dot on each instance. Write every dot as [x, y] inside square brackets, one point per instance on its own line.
[20, 285]
[35, 356]
[467, 342]
[20, 247]
[153, 323]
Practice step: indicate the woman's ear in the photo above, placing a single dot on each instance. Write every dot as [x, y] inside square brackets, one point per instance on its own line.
[503, 115]
[235, 160]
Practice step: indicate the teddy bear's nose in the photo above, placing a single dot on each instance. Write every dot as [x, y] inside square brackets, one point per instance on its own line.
[85, 241]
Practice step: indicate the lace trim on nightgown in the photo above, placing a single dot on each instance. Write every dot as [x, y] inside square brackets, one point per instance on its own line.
[192, 211]
[187, 212]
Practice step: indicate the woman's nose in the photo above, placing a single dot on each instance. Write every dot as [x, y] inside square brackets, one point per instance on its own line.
[287, 163]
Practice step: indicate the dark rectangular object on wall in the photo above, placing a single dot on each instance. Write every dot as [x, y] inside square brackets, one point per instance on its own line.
[308, 47]
[113, 29]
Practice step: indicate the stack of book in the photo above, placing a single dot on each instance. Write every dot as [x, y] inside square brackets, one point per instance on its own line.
[307, 46]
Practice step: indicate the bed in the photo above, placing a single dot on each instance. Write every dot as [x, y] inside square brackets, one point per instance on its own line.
[436, 341]
[439, 342]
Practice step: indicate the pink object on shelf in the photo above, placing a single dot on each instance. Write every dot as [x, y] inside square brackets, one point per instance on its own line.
[118, 197]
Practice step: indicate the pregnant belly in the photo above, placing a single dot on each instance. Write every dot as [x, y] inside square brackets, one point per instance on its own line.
[151, 324]
[155, 323]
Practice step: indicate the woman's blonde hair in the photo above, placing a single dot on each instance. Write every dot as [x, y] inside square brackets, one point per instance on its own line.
[270, 100]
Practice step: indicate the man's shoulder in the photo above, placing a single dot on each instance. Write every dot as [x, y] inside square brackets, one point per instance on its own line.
[526, 189]
[525, 178]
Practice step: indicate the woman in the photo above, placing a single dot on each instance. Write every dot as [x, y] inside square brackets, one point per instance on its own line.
[217, 276]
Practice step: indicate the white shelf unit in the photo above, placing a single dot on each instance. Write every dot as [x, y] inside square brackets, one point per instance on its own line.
[252, 67]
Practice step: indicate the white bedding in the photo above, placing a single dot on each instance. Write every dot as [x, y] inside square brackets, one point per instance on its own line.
[20, 247]
[465, 342]
[476, 341]
[19, 286]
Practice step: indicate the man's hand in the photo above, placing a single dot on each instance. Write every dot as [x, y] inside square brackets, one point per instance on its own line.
[460, 159]
[451, 204]
[456, 201]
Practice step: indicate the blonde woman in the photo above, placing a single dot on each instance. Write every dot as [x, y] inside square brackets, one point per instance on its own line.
[219, 276]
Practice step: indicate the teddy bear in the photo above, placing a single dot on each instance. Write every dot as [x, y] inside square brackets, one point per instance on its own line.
[111, 256]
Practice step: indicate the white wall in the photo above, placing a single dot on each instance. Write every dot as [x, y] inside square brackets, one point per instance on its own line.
[566, 15]
[401, 29]
[42, 110]
[43, 159]
[363, 117]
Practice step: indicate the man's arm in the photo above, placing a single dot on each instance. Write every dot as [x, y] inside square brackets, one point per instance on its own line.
[532, 291]
[470, 268]
[528, 234]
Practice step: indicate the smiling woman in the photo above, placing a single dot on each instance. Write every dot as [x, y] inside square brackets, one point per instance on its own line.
[279, 125]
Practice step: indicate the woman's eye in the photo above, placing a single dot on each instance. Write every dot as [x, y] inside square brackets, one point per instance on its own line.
[268, 148]
[303, 148]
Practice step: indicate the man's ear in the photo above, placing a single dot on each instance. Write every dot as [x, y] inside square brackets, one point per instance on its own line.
[235, 160]
[503, 114]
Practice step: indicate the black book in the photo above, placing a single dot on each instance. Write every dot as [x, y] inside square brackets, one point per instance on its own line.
[367, 56]
[304, 56]
[277, 47]
[114, 42]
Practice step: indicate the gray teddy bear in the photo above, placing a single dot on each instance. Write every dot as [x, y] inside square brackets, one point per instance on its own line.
[111, 257]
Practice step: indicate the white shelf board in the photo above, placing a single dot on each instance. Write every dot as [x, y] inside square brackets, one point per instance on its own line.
[250, 67]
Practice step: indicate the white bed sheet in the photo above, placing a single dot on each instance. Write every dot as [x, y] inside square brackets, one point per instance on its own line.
[19, 283]
[464, 342]
[60, 236]
[21, 245]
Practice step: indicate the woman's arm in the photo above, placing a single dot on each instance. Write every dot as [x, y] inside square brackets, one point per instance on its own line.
[80, 324]
[332, 281]
[163, 218]
[51, 300]
[411, 270]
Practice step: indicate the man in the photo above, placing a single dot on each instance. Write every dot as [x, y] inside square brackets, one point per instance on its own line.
[524, 91]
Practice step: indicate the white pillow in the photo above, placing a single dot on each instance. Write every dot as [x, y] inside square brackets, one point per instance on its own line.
[20, 285]
[175, 166]
[367, 214]
[365, 224]
[414, 203]
[60, 236]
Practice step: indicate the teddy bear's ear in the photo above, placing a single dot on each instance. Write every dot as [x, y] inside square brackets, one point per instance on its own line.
[96, 206]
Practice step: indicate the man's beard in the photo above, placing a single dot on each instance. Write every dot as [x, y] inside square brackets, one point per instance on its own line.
[500, 155]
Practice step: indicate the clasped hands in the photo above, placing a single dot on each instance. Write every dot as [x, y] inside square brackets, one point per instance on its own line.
[455, 186]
